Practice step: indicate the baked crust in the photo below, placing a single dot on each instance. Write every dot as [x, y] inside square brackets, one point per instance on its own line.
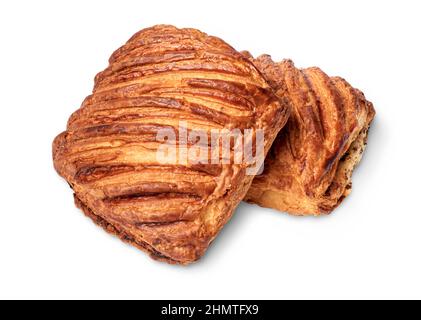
[308, 170]
[161, 76]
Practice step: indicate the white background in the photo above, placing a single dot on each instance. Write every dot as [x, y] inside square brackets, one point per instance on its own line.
[369, 248]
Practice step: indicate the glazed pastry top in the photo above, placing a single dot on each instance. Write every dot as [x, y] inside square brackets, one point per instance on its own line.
[161, 78]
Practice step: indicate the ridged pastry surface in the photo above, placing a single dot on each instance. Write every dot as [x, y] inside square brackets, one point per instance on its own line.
[160, 77]
[308, 170]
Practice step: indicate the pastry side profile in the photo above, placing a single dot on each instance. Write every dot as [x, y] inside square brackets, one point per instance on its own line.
[308, 170]
[162, 77]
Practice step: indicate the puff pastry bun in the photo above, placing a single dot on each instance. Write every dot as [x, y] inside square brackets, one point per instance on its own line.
[308, 170]
[161, 76]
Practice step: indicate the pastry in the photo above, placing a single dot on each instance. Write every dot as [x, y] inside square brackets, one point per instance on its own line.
[161, 77]
[308, 170]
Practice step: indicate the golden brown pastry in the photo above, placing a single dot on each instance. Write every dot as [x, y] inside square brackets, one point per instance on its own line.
[308, 170]
[161, 76]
